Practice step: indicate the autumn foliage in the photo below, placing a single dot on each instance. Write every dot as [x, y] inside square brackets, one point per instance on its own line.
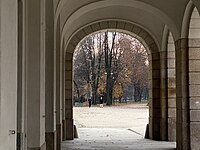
[111, 63]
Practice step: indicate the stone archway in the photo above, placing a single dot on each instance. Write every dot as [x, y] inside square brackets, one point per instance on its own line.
[187, 73]
[155, 130]
[194, 73]
[168, 85]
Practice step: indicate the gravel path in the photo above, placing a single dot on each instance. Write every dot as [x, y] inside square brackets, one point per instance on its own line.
[133, 117]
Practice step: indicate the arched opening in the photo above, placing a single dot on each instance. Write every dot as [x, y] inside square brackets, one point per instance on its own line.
[126, 60]
[97, 63]
[154, 71]
[155, 117]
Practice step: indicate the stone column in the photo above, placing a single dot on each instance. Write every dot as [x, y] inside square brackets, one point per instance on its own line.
[68, 97]
[163, 93]
[154, 97]
[35, 65]
[168, 91]
[171, 89]
[182, 95]
[21, 92]
[58, 88]
[50, 84]
[63, 92]
[8, 74]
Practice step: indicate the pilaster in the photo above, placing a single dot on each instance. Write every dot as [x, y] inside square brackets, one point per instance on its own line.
[194, 92]
[171, 89]
[182, 95]
[8, 73]
[154, 97]
[35, 64]
[68, 98]
[50, 74]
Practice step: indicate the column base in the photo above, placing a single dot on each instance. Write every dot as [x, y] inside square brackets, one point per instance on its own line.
[64, 130]
[43, 147]
[20, 140]
[172, 129]
[59, 136]
[69, 129]
[50, 138]
[154, 128]
[147, 132]
[75, 132]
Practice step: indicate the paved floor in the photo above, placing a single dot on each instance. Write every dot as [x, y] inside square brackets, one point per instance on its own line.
[113, 128]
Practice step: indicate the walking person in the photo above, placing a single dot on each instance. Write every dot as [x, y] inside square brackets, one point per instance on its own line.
[101, 101]
[90, 102]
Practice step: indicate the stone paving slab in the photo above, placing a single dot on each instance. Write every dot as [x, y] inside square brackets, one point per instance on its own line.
[113, 128]
[113, 139]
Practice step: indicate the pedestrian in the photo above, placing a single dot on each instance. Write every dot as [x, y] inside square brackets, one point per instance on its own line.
[101, 101]
[90, 102]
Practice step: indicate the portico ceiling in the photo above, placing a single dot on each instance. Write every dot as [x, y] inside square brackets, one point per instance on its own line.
[152, 15]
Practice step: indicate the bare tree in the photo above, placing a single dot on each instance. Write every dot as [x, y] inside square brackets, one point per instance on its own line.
[87, 65]
[111, 63]
[135, 63]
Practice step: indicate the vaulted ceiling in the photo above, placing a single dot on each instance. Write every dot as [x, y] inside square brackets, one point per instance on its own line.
[151, 15]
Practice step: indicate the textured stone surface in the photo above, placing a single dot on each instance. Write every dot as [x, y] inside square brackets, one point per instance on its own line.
[195, 103]
[68, 94]
[172, 92]
[112, 129]
[81, 34]
[68, 85]
[43, 147]
[171, 54]
[88, 30]
[68, 104]
[114, 139]
[194, 43]
[194, 78]
[195, 136]
[194, 65]
[194, 90]
[70, 48]
[20, 140]
[68, 75]
[68, 56]
[195, 115]
[172, 103]
[183, 138]
[50, 139]
[75, 40]
[59, 136]
[172, 112]
[128, 27]
[68, 65]
[171, 62]
[172, 129]
[69, 129]
[95, 27]
[104, 25]
[64, 130]
[68, 113]
[194, 53]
